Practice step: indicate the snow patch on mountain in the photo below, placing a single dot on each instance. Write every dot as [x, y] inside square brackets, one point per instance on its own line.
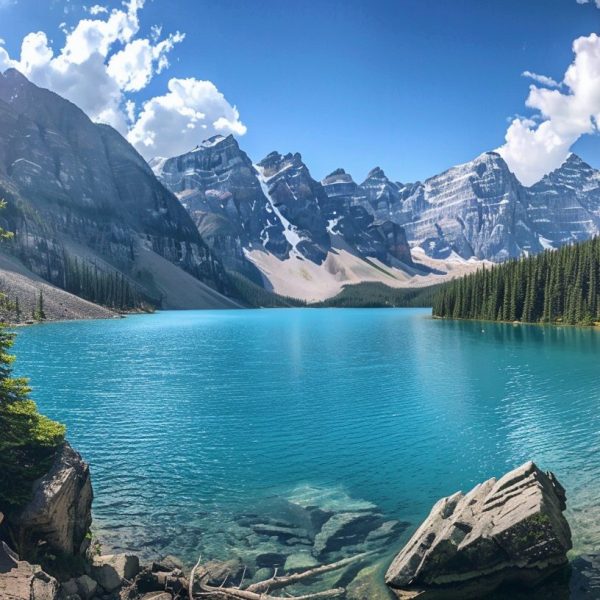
[289, 231]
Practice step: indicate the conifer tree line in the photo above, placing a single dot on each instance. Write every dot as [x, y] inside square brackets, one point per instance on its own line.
[556, 286]
[110, 289]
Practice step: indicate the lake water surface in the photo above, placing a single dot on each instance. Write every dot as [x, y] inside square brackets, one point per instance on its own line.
[191, 419]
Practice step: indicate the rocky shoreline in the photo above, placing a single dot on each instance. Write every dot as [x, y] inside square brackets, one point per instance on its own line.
[506, 532]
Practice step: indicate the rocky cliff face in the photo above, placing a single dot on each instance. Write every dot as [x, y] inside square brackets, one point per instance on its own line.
[296, 199]
[59, 513]
[479, 209]
[218, 185]
[564, 206]
[79, 189]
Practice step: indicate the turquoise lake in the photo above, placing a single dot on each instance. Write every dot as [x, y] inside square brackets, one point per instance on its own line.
[190, 419]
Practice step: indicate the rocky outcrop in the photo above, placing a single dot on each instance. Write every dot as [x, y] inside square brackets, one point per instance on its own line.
[510, 530]
[59, 513]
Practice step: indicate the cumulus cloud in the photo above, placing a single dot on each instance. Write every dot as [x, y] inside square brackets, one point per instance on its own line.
[597, 2]
[539, 144]
[104, 63]
[191, 111]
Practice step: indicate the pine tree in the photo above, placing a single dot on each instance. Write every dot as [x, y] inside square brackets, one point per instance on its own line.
[554, 286]
[39, 313]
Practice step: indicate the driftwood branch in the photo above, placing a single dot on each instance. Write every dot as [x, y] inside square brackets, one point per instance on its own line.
[192, 576]
[263, 589]
[283, 581]
[237, 594]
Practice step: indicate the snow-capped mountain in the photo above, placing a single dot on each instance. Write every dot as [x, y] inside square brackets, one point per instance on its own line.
[274, 222]
[565, 205]
[480, 210]
[275, 211]
[477, 209]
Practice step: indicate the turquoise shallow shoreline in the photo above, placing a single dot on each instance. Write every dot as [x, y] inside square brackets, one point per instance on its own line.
[190, 418]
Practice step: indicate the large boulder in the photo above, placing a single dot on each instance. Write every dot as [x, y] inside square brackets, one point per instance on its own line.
[510, 530]
[112, 570]
[59, 513]
[20, 580]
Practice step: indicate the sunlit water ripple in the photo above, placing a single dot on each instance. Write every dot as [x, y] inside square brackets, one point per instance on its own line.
[189, 418]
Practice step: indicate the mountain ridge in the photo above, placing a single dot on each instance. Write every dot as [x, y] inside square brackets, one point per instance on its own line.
[78, 195]
[473, 212]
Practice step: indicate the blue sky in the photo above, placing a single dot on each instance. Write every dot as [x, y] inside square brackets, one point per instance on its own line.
[414, 86]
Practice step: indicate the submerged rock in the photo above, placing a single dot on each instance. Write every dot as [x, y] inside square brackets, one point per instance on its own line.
[510, 530]
[59, 513]
[299, 561]
[86, 587]
[219, 572]
[345, 529]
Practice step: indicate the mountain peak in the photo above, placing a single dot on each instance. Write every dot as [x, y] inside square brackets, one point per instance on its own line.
[15, 74]
[574, 160]
[215, 140]
[376, 173]
[337, 176]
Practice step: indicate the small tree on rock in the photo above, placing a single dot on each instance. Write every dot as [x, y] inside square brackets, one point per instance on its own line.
[28, 440]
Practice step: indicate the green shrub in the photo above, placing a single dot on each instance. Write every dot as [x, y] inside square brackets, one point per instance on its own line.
[28, 440]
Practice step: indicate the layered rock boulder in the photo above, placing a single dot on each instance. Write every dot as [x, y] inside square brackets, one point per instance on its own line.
[506, 531]
[59, 513]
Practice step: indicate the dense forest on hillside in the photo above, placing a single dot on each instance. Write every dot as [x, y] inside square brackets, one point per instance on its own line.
[379, 295]
[110, 289]
[556, 286]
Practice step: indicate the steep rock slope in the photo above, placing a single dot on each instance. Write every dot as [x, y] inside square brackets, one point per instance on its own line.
[218, 185]
[79, 190]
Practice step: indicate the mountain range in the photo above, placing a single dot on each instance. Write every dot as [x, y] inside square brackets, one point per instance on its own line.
[94, 223]
[300, 237]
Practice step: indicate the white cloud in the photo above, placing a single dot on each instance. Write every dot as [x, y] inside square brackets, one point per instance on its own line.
[541, 79]
[533, 149]
[190, 112]
[104, 63]
[133, 67]
[97, 9]
[597, 2]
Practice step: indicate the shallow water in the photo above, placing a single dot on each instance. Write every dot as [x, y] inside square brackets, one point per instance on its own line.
[192, 419]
